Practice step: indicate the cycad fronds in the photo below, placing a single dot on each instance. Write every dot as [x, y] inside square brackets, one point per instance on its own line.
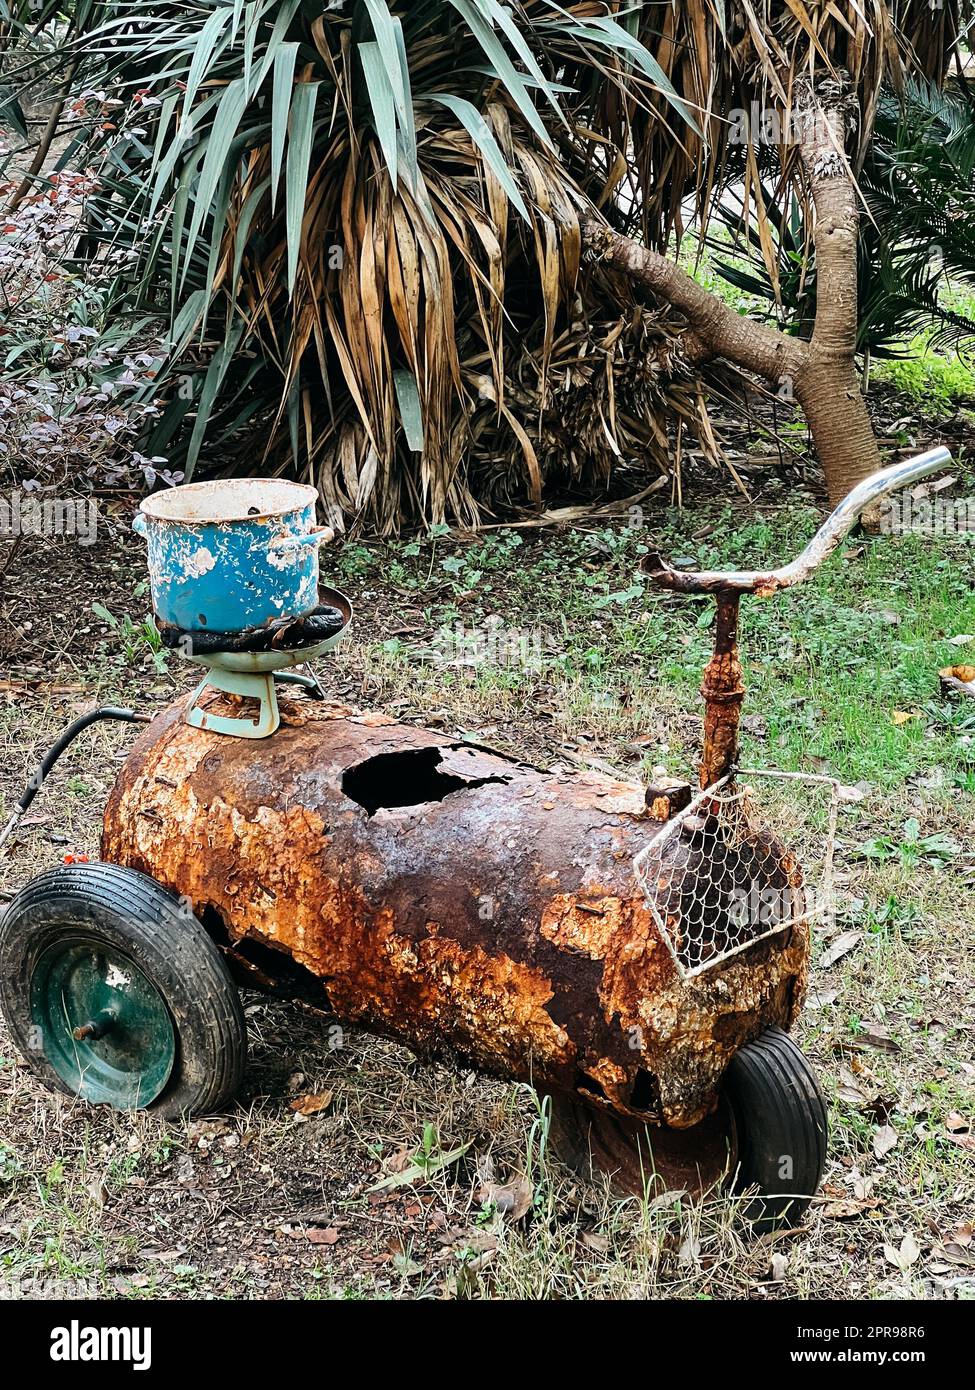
[918, 187]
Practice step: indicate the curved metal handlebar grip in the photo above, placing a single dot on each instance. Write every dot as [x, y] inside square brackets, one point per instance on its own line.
[833, 530]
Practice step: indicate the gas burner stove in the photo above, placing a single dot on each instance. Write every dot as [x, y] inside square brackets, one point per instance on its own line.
[252, 673]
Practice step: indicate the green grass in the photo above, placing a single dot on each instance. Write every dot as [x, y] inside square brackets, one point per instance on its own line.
[933, 381]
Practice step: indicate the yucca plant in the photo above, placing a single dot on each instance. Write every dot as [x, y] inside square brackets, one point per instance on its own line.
[382, 257]
[367, 217]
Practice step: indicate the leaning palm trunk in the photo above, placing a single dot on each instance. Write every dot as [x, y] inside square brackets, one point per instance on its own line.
[820, 374]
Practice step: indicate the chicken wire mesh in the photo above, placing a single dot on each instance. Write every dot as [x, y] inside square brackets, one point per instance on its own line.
[718, 880]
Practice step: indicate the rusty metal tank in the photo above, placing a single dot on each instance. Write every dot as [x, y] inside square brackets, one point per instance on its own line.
[452, 897]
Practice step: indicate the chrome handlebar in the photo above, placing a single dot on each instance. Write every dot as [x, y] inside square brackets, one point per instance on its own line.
[833, 530]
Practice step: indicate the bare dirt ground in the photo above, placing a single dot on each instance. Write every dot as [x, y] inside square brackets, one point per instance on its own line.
[273, 1199]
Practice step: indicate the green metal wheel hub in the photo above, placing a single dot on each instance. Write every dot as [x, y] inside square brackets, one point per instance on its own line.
[103, 1026]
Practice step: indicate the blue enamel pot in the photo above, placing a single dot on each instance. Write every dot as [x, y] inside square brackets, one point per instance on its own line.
[232, 554]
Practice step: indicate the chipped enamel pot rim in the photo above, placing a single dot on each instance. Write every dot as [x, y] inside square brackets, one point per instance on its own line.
[228, 499]
[232, 554]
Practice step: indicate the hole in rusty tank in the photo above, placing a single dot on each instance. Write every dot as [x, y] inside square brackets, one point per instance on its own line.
[408, 778]
[586, 1086]
[644, 1094]
[257, 966]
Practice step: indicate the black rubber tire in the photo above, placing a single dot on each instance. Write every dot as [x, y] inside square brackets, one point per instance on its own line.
[781, 1122]
[133, 913]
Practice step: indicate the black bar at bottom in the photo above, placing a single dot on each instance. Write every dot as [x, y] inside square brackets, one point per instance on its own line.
[230, 1339]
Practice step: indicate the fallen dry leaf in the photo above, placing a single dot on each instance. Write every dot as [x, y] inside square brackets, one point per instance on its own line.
[862, 1186]
[841, 947]
[848, 1208]
[512, 1199]
[201, 1132]
[933, 485]
[595, 1242]
[690, 1250]
[322, 1235]
[903, 716]
[880, 1109]
[484, 1168]
[850, 795]
[849, 1088]
[959, 1254]
[884, 1140]
[904, 1255]
[313, 1104]
[876, 1035]
[98, 1192]
[480, 1242]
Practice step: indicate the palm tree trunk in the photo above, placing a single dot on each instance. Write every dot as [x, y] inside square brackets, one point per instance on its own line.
[820, 374]
[828, 385]
[839, 422]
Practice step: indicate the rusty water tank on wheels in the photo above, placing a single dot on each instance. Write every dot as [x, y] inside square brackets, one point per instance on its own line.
[575, 931]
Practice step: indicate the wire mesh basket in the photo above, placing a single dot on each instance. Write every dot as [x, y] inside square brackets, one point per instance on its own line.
[718, 880]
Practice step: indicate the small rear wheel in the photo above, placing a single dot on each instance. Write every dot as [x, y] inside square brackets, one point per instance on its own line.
[767, 1133]
[115, 993]
[780, 1118]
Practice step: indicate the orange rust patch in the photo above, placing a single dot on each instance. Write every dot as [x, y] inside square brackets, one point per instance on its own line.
[588, 925]
[265, 877]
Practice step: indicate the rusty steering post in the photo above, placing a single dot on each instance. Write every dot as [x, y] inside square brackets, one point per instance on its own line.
[723, 691]
[722, 686]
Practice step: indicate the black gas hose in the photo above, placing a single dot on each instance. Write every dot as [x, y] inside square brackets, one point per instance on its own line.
[126, 716]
